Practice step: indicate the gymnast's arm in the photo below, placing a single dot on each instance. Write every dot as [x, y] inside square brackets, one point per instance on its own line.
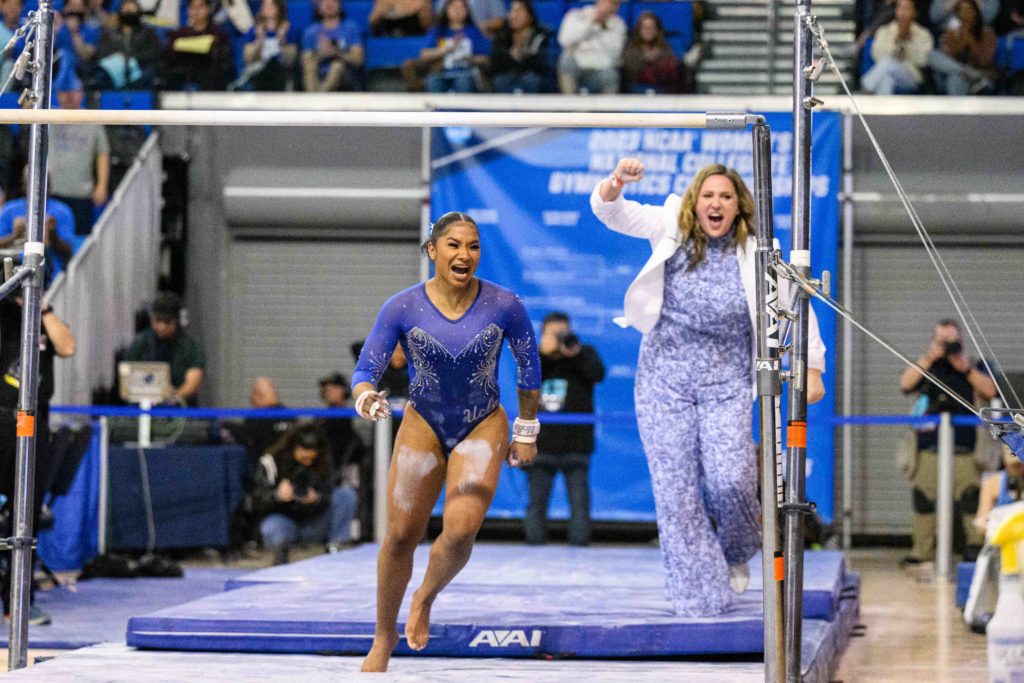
[523, 343]
[373, 361]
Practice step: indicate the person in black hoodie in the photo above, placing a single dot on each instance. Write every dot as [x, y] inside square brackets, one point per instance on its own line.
[569, 371]
[295, 498]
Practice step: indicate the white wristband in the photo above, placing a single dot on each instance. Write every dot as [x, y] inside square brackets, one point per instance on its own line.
[379, 405]
[525, 431]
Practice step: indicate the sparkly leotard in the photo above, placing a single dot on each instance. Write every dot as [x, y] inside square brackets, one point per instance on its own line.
[453, 380]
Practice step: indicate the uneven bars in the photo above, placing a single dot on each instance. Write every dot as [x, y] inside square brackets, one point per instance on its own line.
[386, 119]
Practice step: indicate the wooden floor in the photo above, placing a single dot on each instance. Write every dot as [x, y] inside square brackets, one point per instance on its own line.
[914, 632]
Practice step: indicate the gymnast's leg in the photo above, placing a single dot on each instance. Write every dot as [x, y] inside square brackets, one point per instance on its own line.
[473, 472]
[414, 482]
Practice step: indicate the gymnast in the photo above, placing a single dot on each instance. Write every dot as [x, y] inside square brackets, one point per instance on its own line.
[455, 432]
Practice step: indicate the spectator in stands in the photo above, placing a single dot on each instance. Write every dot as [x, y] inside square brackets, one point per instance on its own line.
[456, 52]
[488, 15]
[76, 35]
[198, 56]
[900, 51]
[128, 54]
[332, 51]
[296, 498]
[11, 15]
[165, 341]
[79, 158]
[55, 340]
[347, 449]
[569, 371]
[945, 14]
[592, 39]
[258, 434]
[398, 18]
[519, 53]
[269, 53]
[965, 64]
[947, 359]
[648, 63]
[59, 237]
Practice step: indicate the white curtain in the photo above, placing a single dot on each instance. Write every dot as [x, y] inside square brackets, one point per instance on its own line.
[109, 279]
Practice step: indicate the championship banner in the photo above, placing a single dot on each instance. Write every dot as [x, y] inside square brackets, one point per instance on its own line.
[529, 190]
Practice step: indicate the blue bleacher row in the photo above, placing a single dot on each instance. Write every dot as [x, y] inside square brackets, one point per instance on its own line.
[389, 53]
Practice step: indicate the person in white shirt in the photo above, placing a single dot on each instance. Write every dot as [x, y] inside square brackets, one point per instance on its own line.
[900, 51]
[592, 39]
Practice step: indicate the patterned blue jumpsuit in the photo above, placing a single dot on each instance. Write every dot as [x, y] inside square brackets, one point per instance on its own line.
[694, 410]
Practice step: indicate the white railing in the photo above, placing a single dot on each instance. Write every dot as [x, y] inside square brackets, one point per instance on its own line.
[109, 279]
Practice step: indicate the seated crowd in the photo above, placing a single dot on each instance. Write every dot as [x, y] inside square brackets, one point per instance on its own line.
[325, 46]
[954, 47]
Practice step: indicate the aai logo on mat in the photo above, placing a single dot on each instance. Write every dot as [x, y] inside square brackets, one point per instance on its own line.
[506, 638]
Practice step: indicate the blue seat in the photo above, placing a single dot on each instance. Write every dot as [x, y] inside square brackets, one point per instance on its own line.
[389, 53]
[676, 18]
[9, 100]
[866, 60]
[358, 11]
[1015, 48]
[300, 15]
[549, 13]
[127, 99]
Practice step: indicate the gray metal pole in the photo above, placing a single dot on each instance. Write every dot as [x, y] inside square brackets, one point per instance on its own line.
[104, 493]
[425, 179]
[381, 463]
[769, 389]
[944, 500]
[32, 291]
[847, 276]
[800, 258]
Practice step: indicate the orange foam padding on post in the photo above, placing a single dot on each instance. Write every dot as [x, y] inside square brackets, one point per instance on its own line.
[796, 435]
[26, 425]
[780, 567]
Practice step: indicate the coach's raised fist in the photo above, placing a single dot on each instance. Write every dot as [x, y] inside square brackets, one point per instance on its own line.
[629, 170]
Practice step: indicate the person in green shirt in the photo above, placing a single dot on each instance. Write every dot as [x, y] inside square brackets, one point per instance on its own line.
[166, 341]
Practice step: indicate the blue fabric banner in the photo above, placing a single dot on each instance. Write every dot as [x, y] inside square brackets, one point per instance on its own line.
[529, 192]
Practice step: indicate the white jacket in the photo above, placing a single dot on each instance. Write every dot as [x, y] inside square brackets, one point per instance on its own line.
[660, 225]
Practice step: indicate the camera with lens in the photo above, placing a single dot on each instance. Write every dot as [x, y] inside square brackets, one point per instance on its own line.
[953, 348]
[569, 340]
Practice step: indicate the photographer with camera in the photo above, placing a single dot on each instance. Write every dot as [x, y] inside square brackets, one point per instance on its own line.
[947, 359]
[569, 371]
[295, 498]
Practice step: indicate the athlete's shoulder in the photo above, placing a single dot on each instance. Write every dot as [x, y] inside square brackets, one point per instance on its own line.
[404, 297]
[496, 291]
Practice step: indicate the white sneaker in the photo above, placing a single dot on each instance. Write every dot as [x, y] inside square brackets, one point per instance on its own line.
[739, 577]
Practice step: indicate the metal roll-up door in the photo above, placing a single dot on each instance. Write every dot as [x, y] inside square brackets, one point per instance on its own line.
[297, 307]
[898, 294]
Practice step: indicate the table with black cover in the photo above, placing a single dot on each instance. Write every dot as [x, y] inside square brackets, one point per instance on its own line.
[192, 491]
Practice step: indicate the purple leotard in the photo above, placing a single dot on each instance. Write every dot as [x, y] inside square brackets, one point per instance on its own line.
[453, 379]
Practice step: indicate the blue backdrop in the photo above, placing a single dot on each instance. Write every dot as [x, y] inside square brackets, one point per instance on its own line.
[529, 192]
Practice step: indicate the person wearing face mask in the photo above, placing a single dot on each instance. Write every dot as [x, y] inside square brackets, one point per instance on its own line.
[128, 54]
[694, 301]
[455, 433]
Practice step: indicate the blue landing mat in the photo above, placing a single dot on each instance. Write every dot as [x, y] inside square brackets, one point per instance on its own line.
[97, 610]
[510, 601]
[639, 568]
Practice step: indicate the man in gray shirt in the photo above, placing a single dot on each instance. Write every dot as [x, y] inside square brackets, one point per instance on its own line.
[79, 158]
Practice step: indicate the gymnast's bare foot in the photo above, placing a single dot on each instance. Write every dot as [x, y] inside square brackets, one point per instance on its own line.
[417, 627]
[380, 654]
